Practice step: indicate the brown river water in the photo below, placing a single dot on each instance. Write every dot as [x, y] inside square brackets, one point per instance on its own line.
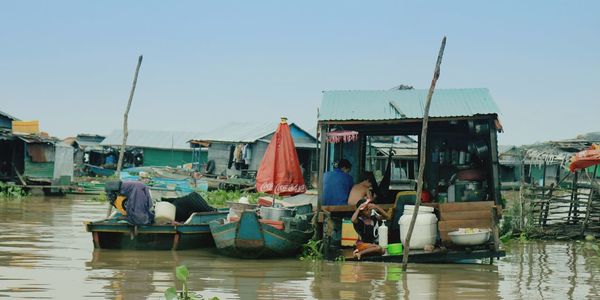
[45, 253]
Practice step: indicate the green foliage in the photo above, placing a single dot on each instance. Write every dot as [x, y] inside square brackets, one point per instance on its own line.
[100, 198]
[11, 192]
[312, 250]
[182, 274]
[219, 198]
[340, 258]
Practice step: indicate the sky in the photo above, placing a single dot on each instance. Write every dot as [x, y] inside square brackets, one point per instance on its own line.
[69, 64]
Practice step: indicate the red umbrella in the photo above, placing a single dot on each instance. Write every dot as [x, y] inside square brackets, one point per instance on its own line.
[585, 158]
[279, 171]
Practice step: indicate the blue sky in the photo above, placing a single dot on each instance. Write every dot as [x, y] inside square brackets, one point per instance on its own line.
[70, 63]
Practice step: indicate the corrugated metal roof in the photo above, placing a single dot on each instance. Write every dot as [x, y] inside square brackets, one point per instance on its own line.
[243, 132]
[8, 116]
[404, 104]
[152, 139]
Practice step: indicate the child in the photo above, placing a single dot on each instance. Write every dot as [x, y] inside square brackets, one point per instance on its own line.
[364, 224]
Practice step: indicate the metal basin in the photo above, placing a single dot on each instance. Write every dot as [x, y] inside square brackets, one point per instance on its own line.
[469, 239]
[275, 213]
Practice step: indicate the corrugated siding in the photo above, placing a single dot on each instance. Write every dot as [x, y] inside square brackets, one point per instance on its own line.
[38, 170]
[404, 104]
[172, 158]
[152, 139]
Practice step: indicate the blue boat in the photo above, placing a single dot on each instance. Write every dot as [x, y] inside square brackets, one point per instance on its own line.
[251, 238]
[99, 171]
[193, 234]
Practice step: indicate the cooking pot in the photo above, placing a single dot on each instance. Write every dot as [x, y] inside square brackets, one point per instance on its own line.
[479, 148]
[275, 213]
[479, 128]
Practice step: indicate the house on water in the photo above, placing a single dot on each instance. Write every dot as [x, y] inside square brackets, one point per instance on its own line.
[462, 134]
[33, 157]
[159, 148]
[238, 148]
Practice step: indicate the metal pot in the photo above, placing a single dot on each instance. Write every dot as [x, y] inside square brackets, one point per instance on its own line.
[479, 148]
[275, 213]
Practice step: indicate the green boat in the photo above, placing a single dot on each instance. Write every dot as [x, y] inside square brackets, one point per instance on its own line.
[249, 238]
[193, 234]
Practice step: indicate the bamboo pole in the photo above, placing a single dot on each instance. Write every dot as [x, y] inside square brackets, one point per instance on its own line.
[125, 116]
[422, 155]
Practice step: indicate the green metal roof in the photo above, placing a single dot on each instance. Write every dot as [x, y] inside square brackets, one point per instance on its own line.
[404, 104]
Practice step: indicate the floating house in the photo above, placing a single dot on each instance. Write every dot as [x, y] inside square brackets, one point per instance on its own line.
[160, 148]
[33, 158]
[238, 148]
[461, 172]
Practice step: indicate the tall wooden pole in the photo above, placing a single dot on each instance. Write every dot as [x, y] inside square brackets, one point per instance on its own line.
[422, 156]
[125, 116]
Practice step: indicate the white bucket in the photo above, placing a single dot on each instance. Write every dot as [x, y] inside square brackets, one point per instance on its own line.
[425, 231]
[164, 212]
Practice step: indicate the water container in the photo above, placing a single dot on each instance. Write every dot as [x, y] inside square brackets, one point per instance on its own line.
[165, 212]
[383, 235]
[425, 231]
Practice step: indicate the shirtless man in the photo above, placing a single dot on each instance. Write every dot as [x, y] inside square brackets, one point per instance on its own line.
[361, 190]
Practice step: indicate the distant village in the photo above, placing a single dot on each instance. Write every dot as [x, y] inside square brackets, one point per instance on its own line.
[31, 157]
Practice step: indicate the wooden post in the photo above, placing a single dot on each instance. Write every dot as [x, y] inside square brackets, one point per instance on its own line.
[125, 116]
[589, 203]
[423, 155]
[322, 152]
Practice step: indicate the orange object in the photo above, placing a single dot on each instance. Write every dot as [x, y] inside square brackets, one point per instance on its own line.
[585, 158]
[425, 196]
[26, 126]
[279, 171]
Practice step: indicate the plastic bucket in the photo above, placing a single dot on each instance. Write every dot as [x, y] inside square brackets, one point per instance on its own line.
[164, 212]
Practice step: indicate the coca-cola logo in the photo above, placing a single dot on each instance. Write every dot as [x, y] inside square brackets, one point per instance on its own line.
[282, 188]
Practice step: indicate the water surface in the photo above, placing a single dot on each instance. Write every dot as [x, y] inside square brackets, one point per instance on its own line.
[45, 252]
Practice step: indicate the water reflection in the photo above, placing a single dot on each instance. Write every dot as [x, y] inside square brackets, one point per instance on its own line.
[46, 253]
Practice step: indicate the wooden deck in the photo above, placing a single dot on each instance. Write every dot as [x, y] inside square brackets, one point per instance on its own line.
[436, 256]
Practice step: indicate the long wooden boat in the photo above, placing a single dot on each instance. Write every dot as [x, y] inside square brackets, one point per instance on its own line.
[193, 234]
[100, 171]
[249, 238]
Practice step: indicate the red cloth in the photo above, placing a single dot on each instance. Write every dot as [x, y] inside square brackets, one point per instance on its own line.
[279, 171]
[585, 158]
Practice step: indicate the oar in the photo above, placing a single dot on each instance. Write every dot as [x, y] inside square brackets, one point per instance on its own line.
[422, 156]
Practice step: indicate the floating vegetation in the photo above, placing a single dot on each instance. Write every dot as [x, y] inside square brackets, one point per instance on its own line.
[12, 192]
[311, 251]
[182, 274]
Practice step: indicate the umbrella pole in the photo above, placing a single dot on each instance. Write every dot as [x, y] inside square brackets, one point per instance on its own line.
[422, 155]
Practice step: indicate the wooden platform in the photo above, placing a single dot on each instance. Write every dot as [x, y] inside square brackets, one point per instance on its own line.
[449, 256]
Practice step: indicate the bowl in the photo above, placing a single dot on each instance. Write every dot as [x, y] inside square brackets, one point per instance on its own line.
[394, 249]
[462, 238]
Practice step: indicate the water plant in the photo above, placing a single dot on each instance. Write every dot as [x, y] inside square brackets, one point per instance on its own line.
[219, 198]
[10, 191]
[182, 273]
[312, 250]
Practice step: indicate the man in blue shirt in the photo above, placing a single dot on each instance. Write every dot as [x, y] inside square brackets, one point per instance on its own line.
[337, 184]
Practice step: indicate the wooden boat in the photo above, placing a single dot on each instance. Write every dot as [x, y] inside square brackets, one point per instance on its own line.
[99, 171]
[194, 233]
[251, 237]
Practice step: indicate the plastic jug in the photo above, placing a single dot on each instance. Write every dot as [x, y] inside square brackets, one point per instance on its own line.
[383, 235]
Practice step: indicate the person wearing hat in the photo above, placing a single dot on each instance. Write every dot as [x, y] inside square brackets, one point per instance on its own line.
[337, 184]
[364, 222]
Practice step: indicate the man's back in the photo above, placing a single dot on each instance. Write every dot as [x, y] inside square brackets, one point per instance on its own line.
[336, 187]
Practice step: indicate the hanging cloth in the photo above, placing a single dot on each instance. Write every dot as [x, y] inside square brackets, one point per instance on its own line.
[343, 136]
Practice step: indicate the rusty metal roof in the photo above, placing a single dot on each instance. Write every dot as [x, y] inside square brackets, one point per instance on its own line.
[404, 104]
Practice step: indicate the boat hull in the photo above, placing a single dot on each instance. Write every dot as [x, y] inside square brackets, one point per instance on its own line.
[110, 234]
[248, 238]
